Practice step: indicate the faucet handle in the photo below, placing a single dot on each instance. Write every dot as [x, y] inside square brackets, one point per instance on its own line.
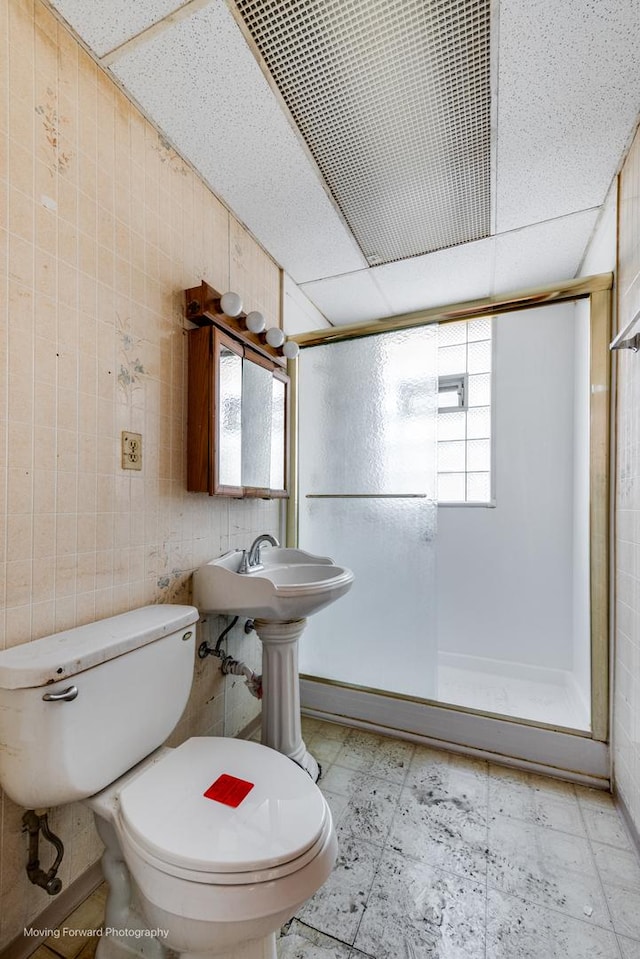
[244, 562]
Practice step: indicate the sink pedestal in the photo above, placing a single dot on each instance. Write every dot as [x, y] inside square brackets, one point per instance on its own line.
[281, 727]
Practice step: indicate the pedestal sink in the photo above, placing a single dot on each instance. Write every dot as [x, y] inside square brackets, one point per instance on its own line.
[289, 586]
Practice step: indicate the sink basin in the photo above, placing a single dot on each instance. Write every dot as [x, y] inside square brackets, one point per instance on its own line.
[291, 585]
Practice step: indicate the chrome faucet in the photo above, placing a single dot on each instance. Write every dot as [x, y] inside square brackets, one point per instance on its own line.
[251, 561]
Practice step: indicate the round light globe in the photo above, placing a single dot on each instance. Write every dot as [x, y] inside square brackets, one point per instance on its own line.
[275, 337]
[290, 349]
[255, 321]
[231, 304]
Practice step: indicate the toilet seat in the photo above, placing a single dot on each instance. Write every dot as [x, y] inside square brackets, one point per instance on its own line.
[280, 825]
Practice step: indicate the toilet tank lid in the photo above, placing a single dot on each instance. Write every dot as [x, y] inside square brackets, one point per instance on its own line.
[55, 657]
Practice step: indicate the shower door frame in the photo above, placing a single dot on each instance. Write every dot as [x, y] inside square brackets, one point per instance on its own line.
[598, 290]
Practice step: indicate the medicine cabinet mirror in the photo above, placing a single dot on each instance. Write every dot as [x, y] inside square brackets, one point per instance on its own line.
[237, 441]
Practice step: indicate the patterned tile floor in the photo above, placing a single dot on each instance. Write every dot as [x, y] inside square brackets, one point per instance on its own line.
[443, 857]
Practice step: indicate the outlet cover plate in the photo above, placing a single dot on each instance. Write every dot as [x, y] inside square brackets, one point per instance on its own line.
[131, 451]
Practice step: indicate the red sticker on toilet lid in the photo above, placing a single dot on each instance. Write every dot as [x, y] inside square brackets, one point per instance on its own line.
[229, 790]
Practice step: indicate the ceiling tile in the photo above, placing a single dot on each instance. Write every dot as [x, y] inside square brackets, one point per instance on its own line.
[543, 253]
[202, 86]
[126, 19]
[353, 298]
[568, 94]
[530, 257]
[454, 275]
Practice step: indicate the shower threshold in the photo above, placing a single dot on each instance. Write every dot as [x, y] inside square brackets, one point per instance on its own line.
[536, 745]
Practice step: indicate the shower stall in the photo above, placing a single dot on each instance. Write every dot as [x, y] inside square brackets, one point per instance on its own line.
[457, 462]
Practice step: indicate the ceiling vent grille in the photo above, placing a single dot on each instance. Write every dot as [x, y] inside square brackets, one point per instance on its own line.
[392, 98]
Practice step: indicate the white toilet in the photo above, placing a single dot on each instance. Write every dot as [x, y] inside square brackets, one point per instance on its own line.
[223, 838]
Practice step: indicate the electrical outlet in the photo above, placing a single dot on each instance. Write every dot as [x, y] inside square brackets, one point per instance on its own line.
[132, 451]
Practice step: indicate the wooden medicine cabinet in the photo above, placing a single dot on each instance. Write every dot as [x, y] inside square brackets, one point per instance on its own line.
[238, 402]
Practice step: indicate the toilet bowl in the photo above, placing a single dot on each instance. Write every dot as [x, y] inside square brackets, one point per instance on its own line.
[216, 879]
[209, 847]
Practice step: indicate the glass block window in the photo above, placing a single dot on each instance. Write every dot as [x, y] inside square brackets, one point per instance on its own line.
[464, 412]
[452, 392]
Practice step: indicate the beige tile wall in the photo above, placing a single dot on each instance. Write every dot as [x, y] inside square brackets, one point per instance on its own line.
[626, 726]
[102, 225]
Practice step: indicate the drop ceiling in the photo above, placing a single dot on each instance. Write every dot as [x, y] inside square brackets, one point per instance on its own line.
[390, 155]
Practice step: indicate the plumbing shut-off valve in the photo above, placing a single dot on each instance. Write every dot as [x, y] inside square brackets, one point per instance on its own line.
[35, 822]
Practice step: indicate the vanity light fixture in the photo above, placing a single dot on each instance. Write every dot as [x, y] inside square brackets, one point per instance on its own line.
[205, 306]
[255, 321]
[274, 337]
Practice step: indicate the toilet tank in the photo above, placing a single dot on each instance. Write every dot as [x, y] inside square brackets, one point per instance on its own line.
[132, 674]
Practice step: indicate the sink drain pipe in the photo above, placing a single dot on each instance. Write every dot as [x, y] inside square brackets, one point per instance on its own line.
[230, 666]
[253, 682]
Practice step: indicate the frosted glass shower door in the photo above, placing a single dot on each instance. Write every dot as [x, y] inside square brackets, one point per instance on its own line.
[367, 468]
